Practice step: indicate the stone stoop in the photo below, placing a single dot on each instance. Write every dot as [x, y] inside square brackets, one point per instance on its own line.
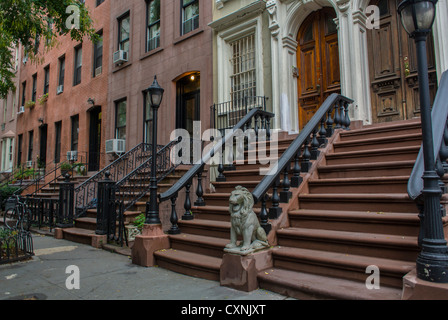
[353, 213]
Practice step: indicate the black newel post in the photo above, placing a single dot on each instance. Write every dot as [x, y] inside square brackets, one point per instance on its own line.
[417, 17]
[66, 203]
[105, 196]
[154, 96]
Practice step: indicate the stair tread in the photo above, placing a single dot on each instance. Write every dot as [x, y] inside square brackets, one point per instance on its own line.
[367, 164]
[190, 258]
[364, 215]
[357, 179]
[384, 127]
[350, 236]
[373, 151]
[356, 196]
[201, 239]
[411, 136]
[207, 223]
[79, 231]
[327, 286]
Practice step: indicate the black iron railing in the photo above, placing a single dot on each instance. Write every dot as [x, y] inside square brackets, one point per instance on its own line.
[296, 158]
[43, 211]
[15, 245]
[86, 192]
[256, 119]
[439, 116]
[39, 179]
[226, 115]
[136, 184]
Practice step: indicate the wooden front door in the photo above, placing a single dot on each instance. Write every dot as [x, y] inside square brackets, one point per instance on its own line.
[393, 67]
[317, 62]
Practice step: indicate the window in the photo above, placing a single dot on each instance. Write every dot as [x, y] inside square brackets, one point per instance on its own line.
[34, 92]
[23, 93]
[124, 33]
[78, 66]
[153, 22]
[47, 79]
[98, 2]
[61, 72]
[98, 56]
[243, 77]
[19, 149]
[30, 145]
[190, 15]
[75, 133]
[57, 145]
[120, 120]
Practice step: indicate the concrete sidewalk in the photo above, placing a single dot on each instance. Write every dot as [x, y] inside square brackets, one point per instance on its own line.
[104, 275]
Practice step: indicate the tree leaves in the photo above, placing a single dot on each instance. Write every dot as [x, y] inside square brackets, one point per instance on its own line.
[26, 21]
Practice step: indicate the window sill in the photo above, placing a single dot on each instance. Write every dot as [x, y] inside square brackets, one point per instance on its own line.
[151, 53]
[188, 35]
[121, 67]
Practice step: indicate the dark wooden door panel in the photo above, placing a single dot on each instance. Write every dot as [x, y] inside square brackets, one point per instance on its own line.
[318, 62]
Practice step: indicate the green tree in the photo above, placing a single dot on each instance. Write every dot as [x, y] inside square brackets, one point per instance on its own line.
[28, 22]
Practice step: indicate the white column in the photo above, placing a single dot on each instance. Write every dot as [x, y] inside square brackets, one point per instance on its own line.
[440, 29]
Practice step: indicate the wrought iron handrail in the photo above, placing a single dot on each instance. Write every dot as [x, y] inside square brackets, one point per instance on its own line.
[439, 116]
[86, 192]
[141, 186]
[309, 141]
[218, 149]
[43, 177]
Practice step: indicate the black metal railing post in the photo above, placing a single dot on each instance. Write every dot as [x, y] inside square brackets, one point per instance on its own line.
[106, 196]
[66, 203]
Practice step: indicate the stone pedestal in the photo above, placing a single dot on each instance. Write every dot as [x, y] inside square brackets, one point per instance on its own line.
[151, 240]
[417, 289]
[240, 271]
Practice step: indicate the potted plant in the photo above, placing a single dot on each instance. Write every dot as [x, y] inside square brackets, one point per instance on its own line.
[80, 168]
[136, 227]
[43, 98]
[66, 168]
[30, 104]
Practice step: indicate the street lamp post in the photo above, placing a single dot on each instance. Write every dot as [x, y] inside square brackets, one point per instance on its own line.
[417, 17]
[154, 96]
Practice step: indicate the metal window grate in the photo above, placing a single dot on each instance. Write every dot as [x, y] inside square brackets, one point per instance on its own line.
[243, 78]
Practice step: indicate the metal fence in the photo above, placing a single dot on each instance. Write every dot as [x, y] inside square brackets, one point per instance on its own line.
[15, 245]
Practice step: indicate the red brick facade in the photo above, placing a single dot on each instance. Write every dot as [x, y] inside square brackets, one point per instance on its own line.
[177, 56]
[74, 98]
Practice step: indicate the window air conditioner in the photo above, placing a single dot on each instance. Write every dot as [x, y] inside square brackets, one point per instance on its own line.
[98, 71]
[60, 89]
[29, 163]
[120, 56]
[116, 146]
[72, 155]
[21, 110]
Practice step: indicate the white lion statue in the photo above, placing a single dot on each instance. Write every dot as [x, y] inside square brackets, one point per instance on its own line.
[244, 222]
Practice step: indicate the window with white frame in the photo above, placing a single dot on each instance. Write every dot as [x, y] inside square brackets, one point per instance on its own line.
[243, 77]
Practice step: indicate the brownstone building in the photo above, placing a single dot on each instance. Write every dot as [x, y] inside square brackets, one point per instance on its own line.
[64, 98]
[171, 40]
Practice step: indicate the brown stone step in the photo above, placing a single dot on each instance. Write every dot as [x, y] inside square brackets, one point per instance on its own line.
[351, 243]
[392, 184]
[209, 228]
[189, 263]
[382, 130]
[373, 155]
[308, 286]
[376, 143]
[340, 265]
[395, 202]
[209, 246]
[377, 169]
[356, 221]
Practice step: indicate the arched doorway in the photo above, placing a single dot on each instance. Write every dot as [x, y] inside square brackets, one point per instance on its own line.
[317, 62]
[393, 67]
